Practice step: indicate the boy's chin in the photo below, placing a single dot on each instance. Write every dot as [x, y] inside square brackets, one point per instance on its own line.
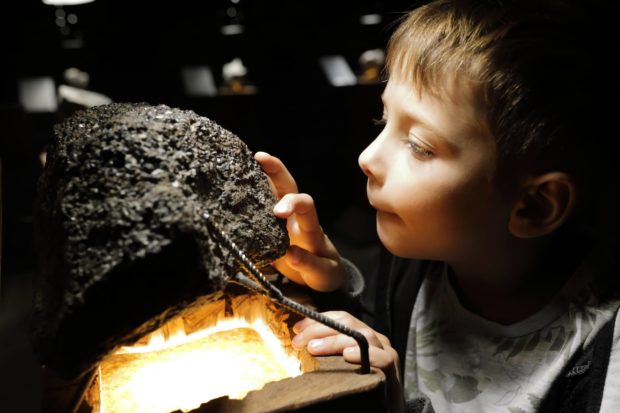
[389, 241]
[400, 246]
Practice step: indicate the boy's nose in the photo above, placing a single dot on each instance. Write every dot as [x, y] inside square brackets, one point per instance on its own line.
[362, 160]
[369, 160]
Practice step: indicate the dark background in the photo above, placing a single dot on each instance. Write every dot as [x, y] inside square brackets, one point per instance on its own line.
[133, 50]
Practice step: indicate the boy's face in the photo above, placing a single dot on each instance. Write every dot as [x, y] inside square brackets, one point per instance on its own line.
[430, 177]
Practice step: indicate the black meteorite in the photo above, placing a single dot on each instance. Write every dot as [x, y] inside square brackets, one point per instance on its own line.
[121, 237]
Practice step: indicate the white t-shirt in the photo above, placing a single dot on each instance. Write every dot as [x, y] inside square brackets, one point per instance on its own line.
[464, 363]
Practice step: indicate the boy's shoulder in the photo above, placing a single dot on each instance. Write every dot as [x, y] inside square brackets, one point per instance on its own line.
[588, 379]
[603, 261]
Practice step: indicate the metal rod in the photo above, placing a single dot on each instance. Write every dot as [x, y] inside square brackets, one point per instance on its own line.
[84, 385]
[276, 295]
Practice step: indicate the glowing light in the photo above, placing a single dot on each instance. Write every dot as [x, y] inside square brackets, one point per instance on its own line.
[38, 94]
[43, 158]
[66, 2]
[175, 371]
[232, 29]
[198, 81]
[82, 97]
[370, 19]
[234, 69]
[337, 70]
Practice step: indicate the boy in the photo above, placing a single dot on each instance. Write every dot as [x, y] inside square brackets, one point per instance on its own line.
[495, 294]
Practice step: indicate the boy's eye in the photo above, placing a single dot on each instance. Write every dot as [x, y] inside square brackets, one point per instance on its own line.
[419, 151]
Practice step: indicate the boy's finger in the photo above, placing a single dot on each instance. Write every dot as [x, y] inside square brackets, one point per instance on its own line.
[303, 206]
[317, 330]
[292, 274]
[299, 326]
[341, 316]
[281, 178]
[319, 273]
[379, 358]
[303, 222]
[312, 332]
[330, 345]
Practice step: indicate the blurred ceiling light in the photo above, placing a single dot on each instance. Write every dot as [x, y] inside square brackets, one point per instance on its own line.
[38, 95]
[234, 69]
[43, 158]
[372, 56]
[198, 81]
[371, 63]
[76, 77]
[337, 70]
[81, 97]
[66, 2]
[370, 19]
[231, 29]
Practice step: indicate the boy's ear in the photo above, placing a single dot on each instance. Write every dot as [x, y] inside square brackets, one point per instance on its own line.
[545, 204]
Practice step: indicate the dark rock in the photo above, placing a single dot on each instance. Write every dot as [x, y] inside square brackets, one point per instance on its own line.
[121, 238]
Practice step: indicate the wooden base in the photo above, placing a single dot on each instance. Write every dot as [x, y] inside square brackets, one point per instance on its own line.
[335, 386]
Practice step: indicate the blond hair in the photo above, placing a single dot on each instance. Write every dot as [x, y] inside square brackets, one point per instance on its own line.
[529, 66]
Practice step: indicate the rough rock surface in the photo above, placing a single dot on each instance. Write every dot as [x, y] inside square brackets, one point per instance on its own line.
[121, 239]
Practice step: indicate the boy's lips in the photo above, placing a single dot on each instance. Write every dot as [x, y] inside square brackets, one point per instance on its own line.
[375, 203]
[380, 208]
[386, 215]
[373, 194]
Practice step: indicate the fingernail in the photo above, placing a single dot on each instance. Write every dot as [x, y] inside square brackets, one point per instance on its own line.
[281, 208]
[297, 327]
[348, 350]
[315, 344]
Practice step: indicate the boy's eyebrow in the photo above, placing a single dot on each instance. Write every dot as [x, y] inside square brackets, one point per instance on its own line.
[416, 118]
[422, 122]
[419, 120]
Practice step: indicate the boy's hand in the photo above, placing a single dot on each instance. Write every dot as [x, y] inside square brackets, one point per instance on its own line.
[312, 259]
[321, 340]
